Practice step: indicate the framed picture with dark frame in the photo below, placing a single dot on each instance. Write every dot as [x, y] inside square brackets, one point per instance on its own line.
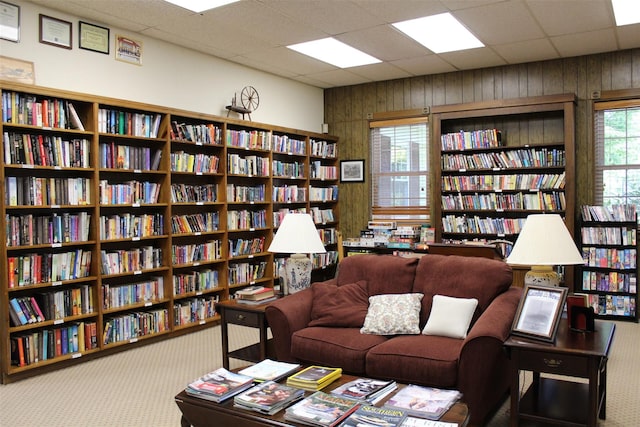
[9, 21]
[351, 170]
[55, 32]
[539, 312]
[93, 37]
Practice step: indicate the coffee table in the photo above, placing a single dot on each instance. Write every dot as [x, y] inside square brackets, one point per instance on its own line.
[199, 412]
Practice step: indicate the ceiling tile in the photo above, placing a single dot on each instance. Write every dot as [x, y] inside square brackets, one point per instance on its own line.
[526, 51]
[384, 42]
[628, 36]
[570, 16]
[470, 59]
[339, 78]
[583, 43]
[380, 72]
[423, 65]
[293, 61]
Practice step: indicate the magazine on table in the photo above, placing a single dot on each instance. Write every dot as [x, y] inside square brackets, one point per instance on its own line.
[365, 389]
[423, 422]
[270, 370]
[219, 385]
[268, 397]
[424, 402]
[372, 416]
[320, 409]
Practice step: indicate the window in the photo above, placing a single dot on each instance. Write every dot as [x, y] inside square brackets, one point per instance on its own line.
[617, 157]
[400, 169]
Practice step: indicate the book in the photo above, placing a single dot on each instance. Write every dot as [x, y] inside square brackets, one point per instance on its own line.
[219, 385]
[314, 377]
[424, 402]
[256, 302]
[268, 397]
[269, 370]
[372, 416]
[320, 409]
[365, 389]
[75, 119]
[255, 293]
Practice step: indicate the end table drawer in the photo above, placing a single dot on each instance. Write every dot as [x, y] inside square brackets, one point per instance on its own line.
[242, 318]
[554, 363]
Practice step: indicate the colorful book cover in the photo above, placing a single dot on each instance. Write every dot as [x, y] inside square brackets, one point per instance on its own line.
[269, 370]
[372, 416]
[268, 396]
[220, 383]
[321, 409]
[425, 402]
[363, 388]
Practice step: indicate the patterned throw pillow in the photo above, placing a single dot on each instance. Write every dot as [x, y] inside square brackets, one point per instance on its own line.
[393, 314]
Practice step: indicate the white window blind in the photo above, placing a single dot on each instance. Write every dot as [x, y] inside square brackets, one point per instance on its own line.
[617, 152]
[400, 169]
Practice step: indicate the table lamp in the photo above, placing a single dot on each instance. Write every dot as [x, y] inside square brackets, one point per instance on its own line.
[543, 242]
[297, 235]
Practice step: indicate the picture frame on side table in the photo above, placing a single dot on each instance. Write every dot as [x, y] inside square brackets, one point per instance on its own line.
[55, 32]
[352, 171]
[93, 37]
[9, 21]
[539, 312]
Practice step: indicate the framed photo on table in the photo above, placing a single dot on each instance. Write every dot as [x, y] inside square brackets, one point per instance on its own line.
[55, 32]
[352, 171]
[539, 312]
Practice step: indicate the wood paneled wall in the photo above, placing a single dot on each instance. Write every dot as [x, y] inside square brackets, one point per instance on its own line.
[346, 109]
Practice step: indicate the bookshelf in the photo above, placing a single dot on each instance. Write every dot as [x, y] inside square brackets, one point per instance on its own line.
[500, 161]
[126, 222]
[610, 273]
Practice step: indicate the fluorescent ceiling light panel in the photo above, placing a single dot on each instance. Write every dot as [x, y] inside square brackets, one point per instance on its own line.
[439, 33]
[200, 5]
[626, 12]
[334, 52]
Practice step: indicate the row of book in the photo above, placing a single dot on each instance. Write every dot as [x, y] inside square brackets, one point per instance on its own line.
[248, 139]
[195, 281]
[522, 158]
[502, 201]
[324, 149]
[206, 134]
[27, 109]
[240, 247]
[190, 253]
[49, 343]
[34, 268]
[245, 272]
[610, 257]
[613, 305]
[116, 156]
[323, 194]
[114, 296]
[130, 261]
[122, 122]
[464, 140]
[127, 226]
[37, 191]
[130, 192]
[608, 235]
[503, 182]
[288, 170]
[194, 163]
[51, 305]
[289, 194]
[246, 219]
[286, 144]
[612, 281]
[245, 194]
[46, 150]
[29, 229]
[614, 213]
[278, 215]
[194, 310]
[192, 193]
[475, 224]
[325, 259]
[135, 325]
[195, 223]
[322, 216]
[328, 236]
[248, 165]
[320, 171]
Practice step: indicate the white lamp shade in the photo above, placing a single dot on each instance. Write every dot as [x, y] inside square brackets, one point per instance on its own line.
[297, 235]
[545, 240]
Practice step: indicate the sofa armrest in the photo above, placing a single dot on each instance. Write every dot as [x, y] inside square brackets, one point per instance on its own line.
[286, 316]
[484, 346]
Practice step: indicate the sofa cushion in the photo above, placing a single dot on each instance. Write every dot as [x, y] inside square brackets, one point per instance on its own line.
[342, 347]
[339, 306]
[418, 359]
[393, 314]
[385, 274]
[460, 277]
[450, 317]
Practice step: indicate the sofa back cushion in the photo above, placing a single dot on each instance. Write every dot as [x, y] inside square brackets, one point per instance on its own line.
[460, 277]
[343, 306]
[385, 274]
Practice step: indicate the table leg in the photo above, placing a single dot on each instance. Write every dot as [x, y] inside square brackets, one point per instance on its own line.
[594, 397]
[515, 389]
[602, 389]
[225, 339]
[263, 339]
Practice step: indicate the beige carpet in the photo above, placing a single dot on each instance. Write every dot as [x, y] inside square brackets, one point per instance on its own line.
[136, 388]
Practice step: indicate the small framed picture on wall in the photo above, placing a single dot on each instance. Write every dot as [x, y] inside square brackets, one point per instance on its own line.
[55, 32]
[352, 171]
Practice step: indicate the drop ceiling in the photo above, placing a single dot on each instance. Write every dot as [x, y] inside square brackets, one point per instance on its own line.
[255, 33]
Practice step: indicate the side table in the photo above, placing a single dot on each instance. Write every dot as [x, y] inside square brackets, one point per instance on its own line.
[232, 312]
[574, 354]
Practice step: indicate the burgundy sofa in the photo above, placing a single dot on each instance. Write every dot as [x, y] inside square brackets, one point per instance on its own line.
[476, 365]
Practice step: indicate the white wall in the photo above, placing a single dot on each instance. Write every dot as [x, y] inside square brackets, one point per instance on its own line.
[170, 75]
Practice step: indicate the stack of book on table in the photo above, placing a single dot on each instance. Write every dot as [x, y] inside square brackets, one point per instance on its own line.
[219, 385]
[270, 370]
[255, 295]
[321, 409]
[423, 402]
[267, 397]
[366, 390]
[314, 377]
[367, 415]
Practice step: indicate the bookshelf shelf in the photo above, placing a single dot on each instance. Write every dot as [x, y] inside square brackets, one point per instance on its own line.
[155, 181]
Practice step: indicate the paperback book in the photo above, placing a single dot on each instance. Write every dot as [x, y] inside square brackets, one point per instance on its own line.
[372, 416]
[219, 385]
[270, 370]
[365, 389]
[320, 409]
[314, 377]
[268, 397]
[424, 402]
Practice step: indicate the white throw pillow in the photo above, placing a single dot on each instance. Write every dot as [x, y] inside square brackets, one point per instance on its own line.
[450, 317]
[393, 314]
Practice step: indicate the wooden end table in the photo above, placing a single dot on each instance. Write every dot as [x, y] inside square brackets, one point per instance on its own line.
[253, 316]
[574, 354]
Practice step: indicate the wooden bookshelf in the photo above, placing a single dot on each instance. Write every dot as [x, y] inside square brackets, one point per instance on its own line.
[151, 215]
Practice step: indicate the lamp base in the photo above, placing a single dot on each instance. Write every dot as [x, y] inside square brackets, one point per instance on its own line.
[297, 270]
[542, 275]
